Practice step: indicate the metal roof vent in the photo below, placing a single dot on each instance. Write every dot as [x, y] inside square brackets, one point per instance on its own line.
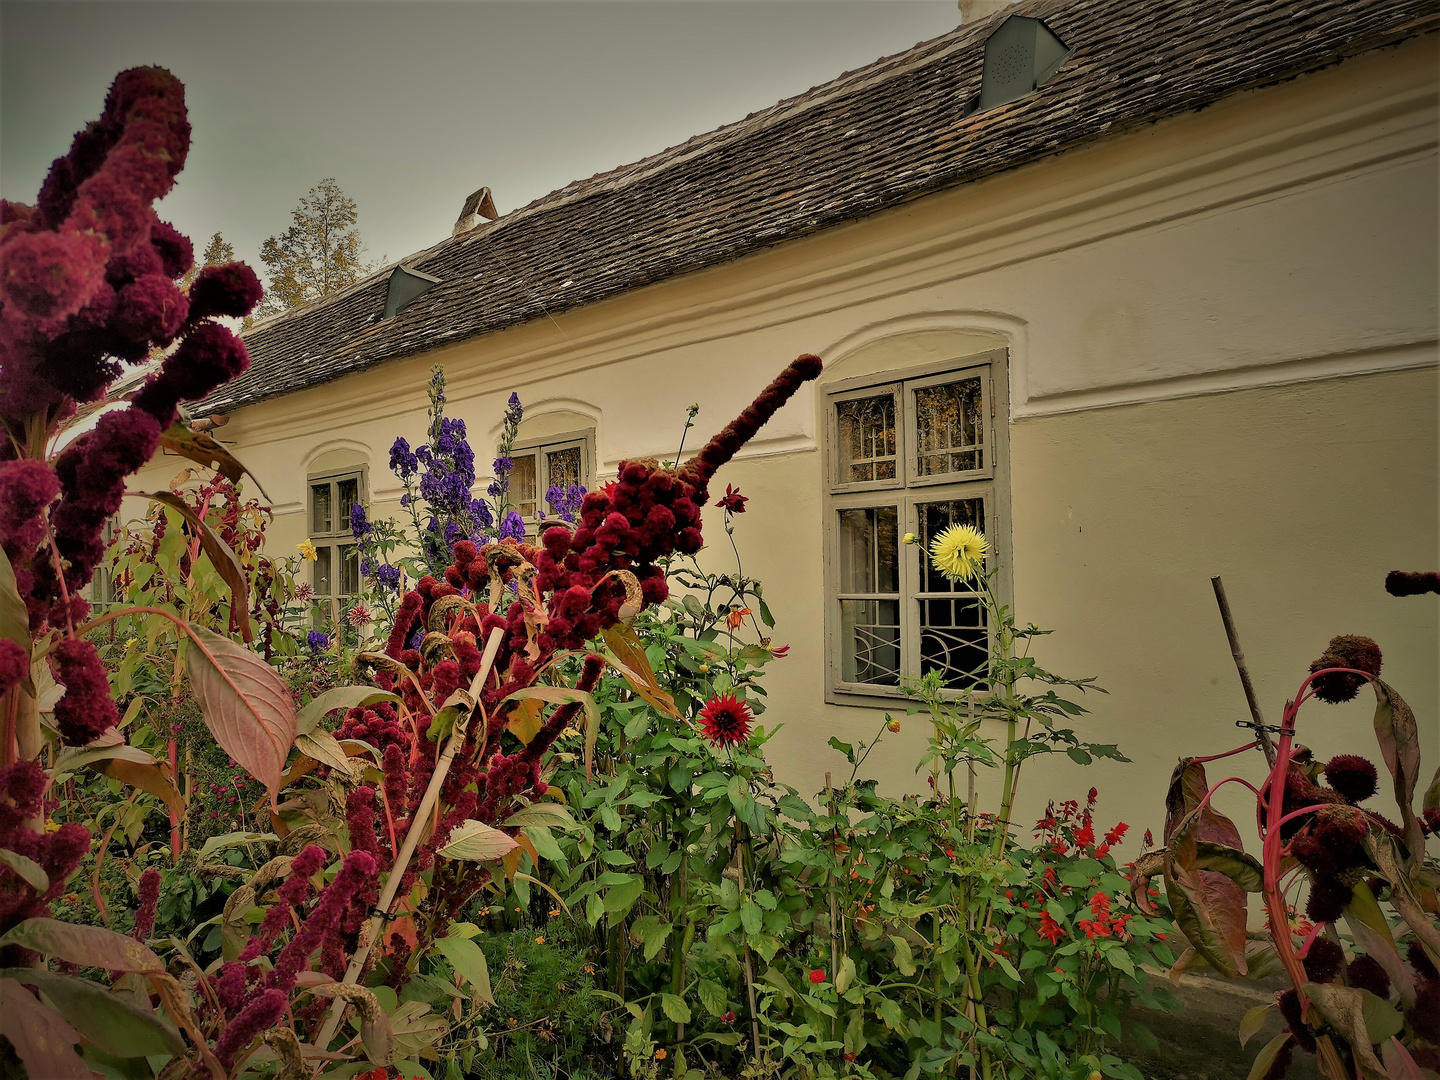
[1020, 55]
[405, 285]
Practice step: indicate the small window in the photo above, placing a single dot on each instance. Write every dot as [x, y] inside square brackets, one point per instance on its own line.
[335, 574]
[561, 461]
[915, 455]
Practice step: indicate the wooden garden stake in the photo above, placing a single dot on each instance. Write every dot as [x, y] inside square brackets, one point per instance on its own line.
[1261, 735]
[412, 838]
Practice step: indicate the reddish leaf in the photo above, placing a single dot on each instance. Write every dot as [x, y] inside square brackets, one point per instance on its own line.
[207, 451]
[1209, 907]
[1400, 746]
[220, 554]
[39, 1035]
[88, 946]
[634, 665]
[151, 776]
[246, 705]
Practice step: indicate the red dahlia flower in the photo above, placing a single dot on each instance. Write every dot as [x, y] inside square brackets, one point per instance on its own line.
[725, 721]
[732, 502]
[817, 976]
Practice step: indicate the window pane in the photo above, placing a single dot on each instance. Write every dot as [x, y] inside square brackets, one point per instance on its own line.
[349, 570]
[954, 640]
[562, 467]
[935, 518]
[869, 550]
[321, 571]
[348, 494]
[321, 512]
[867, 438]
[522, 484]
[870, 641]
[949, 428]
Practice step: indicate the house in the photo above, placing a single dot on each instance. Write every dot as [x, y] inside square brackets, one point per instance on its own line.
[1170, 314]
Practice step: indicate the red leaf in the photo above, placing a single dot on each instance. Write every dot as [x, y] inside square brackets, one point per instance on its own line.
[88, 946]
[246, 705]
[41, 1038]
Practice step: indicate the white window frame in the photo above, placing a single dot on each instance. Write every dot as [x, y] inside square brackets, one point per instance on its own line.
[337, 537]
[537, 448]
[907, 491]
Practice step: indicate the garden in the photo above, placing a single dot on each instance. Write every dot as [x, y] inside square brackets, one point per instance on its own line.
[508, 813]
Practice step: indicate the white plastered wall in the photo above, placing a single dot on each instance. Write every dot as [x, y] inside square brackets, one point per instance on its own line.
[1221, 334]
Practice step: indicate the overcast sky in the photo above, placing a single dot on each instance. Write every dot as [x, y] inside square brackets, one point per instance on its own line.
[413, 105]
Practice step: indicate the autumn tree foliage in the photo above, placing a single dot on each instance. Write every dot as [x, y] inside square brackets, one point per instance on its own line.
[218, 252]
[320, 253]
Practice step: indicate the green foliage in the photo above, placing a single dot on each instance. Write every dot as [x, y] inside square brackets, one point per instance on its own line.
[320, 253]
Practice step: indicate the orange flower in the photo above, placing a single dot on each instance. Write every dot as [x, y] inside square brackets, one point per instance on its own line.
[736, 617]
[660, 1054]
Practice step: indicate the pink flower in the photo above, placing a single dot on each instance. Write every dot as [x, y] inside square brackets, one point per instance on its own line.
[359, 615]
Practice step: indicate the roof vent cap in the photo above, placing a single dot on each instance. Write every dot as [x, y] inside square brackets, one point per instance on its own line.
[1020, 55]
[405, 285]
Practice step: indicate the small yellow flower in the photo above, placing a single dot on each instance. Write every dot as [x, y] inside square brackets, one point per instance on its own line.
[307, 551]
[130, 643]
[540, 940]
[910, 538]
[959, 552]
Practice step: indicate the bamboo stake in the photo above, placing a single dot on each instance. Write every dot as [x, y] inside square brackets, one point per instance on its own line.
[412, 837]
[1261, 735]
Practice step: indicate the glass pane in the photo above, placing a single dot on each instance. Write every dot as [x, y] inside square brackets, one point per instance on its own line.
[349, 570]
[321, 571]
[869, 550]
[348, 494]
[949, 428]
[870, 641]
[954, 640]
[562, 467]
[321, 512]
[866, 429]
[935, 518]
[522, 484]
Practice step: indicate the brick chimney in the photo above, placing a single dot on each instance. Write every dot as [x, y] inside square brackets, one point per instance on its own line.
[479, 205]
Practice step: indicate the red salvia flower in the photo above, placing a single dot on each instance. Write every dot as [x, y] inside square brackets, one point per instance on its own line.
[725, 721]
[1049, 928]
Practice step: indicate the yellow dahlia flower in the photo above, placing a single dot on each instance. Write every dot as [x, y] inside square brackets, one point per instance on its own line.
[959, 552]
[307, 551]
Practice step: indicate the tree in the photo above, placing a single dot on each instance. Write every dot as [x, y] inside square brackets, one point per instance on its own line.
[217, 253]
[317, 255]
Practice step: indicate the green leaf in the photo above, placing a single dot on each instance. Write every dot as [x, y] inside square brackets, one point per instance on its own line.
[675, 1008]
[235, 839]
[619, 899]
[111, 1023]
[28, 870]
[545, 845]
[904, 959]
[1253, 1021]
[751, 917]
[561, 695]
[653, 932]
[1267, 1056]
[795, 807]
[1399, 740]
[341, 697]
[890, 1013]
[844, 747]
[1241, 868]
[88, 946]
[322, 747]
[14, 619]
[714, 998]
[468, 960]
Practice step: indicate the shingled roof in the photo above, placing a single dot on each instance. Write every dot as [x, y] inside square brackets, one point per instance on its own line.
[871, 139]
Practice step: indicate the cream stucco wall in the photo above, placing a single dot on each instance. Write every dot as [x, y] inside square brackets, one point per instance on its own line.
[1221, 334]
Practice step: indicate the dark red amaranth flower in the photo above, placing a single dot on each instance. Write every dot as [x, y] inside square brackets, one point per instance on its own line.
[85, 711]
[22, 800]
[1352, 776]
[1424, 1015]
[14, 664]
[725, 721]
[231, 289]
[1402, 583]
[1323, 960]
[1421, 962]
[1345, 651]
[1365, 973]
[1327, 899]
[1288, 1002]
[149, 899]
[263, 1012]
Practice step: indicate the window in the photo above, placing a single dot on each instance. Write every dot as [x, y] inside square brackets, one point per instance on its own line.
[909, 455]
[560, 460]
[336, 569]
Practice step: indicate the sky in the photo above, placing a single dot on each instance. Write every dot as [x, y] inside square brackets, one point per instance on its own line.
[412, 104]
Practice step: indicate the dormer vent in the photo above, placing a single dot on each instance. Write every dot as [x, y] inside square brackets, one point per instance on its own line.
[479, 206]
[1020, 55]
[405, 285]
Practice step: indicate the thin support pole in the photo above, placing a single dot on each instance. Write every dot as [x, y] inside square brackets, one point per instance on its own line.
[1261, 734]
